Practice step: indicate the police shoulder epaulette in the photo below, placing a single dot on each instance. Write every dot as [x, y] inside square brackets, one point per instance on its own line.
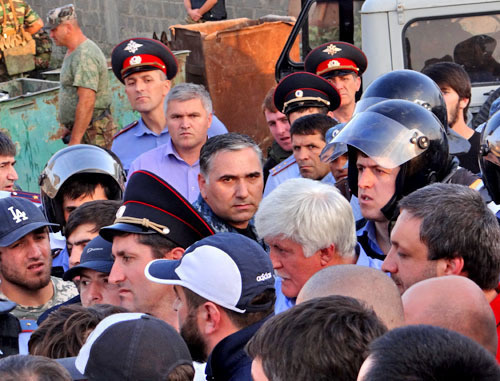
[28, 325]
[282, 166]
[33, 197]
[126, 128]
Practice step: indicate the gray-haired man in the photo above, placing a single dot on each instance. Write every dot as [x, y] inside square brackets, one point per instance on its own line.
[231, 183]
[188, 116]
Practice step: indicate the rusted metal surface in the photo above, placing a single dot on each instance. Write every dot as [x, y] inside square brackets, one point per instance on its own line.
[29, 117]
[235, 60]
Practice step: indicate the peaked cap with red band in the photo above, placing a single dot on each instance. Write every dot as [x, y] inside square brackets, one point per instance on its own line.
[142, 54]
[301, 90]
[335, 58]
[153, 206]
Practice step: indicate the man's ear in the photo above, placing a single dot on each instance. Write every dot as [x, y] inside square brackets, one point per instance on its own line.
[463, 103]
[451, 266]
[175, 253]
[167, 84]
[358, 82]
[202, 185]
[210, 118]
[326, 255]
[209, 318]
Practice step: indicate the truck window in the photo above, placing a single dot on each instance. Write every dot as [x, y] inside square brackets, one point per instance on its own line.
[470, 41]
[318, 22]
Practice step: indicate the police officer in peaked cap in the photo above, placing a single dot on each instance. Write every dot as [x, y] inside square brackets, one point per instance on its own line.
[342, 64]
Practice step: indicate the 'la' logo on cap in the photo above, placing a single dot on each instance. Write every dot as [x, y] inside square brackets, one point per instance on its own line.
[17, 216]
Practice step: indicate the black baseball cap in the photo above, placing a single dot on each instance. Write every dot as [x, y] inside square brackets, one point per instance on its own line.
[96, 256]
[129, 346]
[19, 217]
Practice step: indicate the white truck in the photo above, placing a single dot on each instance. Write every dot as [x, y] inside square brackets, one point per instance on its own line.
[410, 34]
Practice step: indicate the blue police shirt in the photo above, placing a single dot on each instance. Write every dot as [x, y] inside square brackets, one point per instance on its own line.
[287, 169]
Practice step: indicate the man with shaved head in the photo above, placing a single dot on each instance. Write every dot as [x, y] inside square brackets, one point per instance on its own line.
[452, 302]
[286, 219]
[368, 285]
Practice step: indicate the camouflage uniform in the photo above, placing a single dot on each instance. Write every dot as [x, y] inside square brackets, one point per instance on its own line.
[25, 16]
[43, 50]
[63, 291]
[86, 67]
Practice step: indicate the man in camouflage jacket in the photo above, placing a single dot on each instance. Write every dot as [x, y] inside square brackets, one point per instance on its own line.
[85, 96]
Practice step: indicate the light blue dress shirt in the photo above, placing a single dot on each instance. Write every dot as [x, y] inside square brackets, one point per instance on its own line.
[165, 162]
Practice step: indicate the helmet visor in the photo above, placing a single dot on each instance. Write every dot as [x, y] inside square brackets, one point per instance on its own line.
[364, 103]
[384, 140]
[80, 159]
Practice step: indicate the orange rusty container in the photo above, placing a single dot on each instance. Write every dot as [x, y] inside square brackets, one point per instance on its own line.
[235, 60]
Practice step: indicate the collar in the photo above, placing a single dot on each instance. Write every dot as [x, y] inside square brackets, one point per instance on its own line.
[169, 150]
[141, 129]
[229, 357]
[365, 260]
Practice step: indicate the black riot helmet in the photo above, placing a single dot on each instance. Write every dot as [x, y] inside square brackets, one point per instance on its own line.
[489, 156]
[415, 87]
[78, 163]
[397, 133]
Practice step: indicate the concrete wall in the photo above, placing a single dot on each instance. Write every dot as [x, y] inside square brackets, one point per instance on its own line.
[108, 22]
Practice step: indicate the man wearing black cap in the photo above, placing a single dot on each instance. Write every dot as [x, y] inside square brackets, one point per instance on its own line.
[25, 260]
[297, 95]
[341, 64]
[155, 224]
[225, 292]
[94, 268]
[132, 346]
[146, 67]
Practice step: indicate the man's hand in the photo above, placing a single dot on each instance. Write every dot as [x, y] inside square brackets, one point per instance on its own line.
[83, 114]
[195, 14]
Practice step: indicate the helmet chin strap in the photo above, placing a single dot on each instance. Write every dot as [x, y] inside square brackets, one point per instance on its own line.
[390, 210]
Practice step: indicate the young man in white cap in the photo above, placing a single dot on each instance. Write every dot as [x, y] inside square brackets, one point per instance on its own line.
[219, 314]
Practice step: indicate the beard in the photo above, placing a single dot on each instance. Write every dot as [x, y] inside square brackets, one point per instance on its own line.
[34, 283]
[192, 336]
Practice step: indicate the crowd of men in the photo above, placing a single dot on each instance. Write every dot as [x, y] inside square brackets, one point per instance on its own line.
[366, 246]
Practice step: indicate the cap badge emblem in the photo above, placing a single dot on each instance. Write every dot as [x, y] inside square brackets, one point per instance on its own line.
[132, 46]
[332, 50]
[120, 211]
[333, 63]
[299, 93]
[17, 215]
[135, 60]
